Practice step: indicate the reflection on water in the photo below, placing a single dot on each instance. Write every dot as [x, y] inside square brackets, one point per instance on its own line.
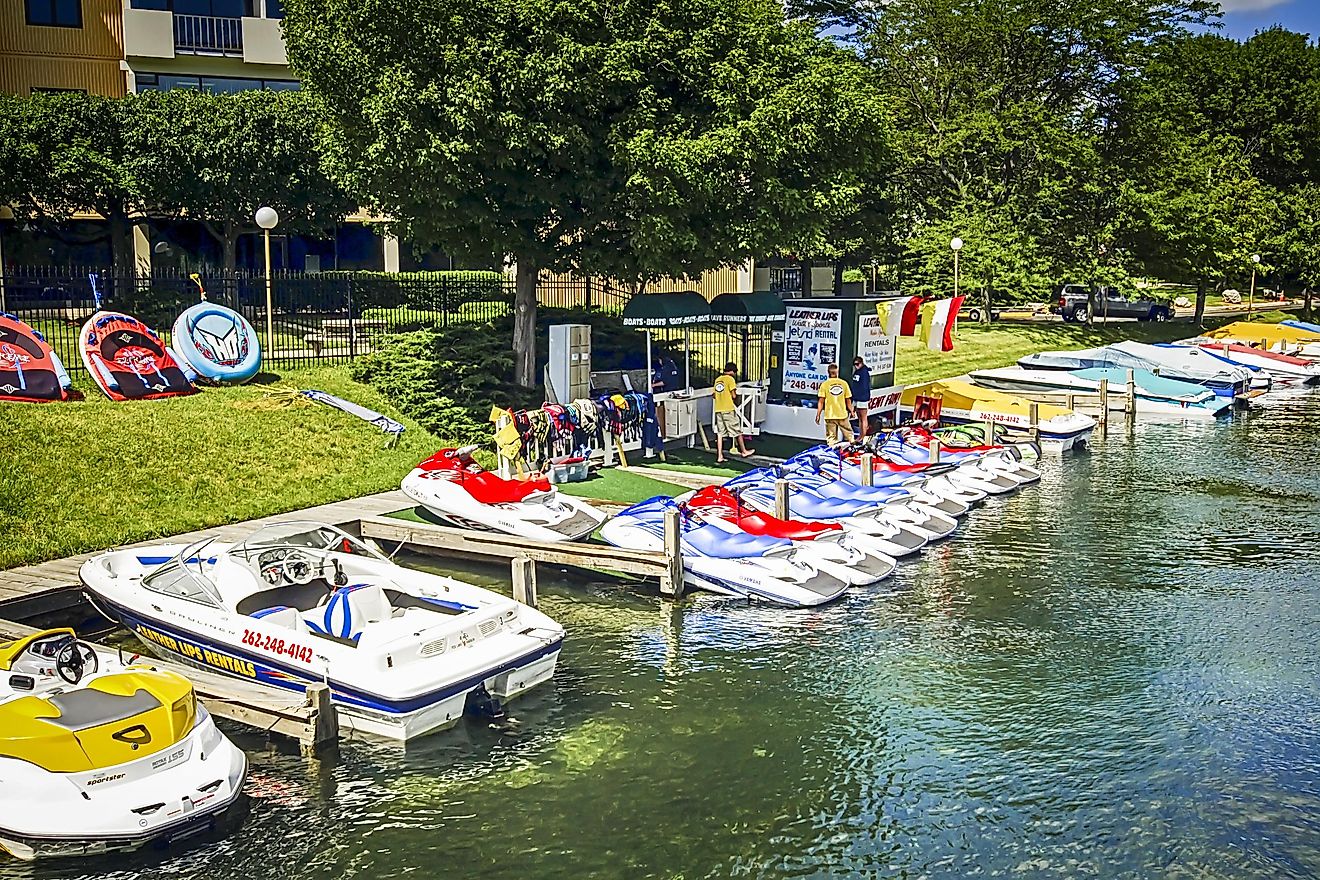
[1113, 674]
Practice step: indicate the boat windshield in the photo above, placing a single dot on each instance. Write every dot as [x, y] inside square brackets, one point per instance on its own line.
[314, 535]
[184, 576]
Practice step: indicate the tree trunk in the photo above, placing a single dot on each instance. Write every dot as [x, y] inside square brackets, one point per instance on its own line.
[1199, 317]
[229, 246]
[985, 303]
[1306, 301]
[804, 277]
[838, 278]
[524, 322]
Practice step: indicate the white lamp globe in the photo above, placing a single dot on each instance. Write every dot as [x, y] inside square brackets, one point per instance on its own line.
[1255, 258]
[956, 244]
[267, 218]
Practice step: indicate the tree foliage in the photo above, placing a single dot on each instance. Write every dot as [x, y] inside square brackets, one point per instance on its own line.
[633, 139]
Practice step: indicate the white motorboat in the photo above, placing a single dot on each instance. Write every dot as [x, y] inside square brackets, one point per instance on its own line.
[403, 652]
[1285, 369]
[962, 402]
[1155, 395]
[1171, 362]
[97, 756]
[458, 490]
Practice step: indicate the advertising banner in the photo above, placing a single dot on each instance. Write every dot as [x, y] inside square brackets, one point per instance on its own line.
[811, 344]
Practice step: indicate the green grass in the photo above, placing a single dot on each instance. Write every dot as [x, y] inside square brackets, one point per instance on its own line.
[613, 484]
[92, 474]
[981, 347]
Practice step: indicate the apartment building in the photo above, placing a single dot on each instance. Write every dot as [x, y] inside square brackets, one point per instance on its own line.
[62, 45]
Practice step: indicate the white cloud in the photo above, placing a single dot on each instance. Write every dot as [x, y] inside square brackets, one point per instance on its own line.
[1250, 5]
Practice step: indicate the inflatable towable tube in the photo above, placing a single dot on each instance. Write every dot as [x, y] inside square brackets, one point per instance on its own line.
[128, 361]
[30, 371]
[217, 342]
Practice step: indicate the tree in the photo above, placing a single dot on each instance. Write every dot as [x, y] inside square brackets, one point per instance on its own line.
[71, 153]
[631, 138]
[217, 158]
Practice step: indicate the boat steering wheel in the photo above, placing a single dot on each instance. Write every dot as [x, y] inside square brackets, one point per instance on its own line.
[298, 568]
[75, 659]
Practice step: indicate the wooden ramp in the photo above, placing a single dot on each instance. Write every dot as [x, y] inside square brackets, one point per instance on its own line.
[311, 719]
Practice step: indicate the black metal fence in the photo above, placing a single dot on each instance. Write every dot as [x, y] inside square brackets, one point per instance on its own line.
[331, 317]
[316, 318]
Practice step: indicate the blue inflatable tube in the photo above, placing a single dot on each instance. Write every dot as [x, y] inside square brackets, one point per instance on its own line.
[217, 342]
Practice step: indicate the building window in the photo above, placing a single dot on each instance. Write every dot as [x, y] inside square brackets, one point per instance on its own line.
[210, 8]
[164, 82]
[54, 13]
[274, 8]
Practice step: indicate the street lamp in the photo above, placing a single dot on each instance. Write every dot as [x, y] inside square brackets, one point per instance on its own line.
[267, 219]
[956, 244]
[1251, 295]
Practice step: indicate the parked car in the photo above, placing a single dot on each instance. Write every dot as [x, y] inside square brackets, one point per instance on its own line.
[1107, 301]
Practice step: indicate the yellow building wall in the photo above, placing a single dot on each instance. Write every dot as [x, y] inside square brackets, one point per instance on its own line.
[87, 58]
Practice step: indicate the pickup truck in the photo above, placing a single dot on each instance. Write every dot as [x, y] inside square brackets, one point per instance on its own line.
[1106, 302]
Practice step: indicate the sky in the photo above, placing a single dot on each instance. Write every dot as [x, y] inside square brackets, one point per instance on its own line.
[1242, 18]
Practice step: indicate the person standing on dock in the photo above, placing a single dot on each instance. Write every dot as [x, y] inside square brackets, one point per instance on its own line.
[861, 393]
[727, 424]
[834, 400]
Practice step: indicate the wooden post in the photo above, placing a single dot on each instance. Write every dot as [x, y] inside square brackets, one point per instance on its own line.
[524, 581]
[868, 469]
[992, 431]
[672, 583]
[1131, 402]
[935, 445]
[1033, 414]
[781, 498]
[1104, 406]
[323, 721]
[1070, 400]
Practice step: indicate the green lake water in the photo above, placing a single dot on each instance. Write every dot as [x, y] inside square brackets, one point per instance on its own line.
[1112, 674]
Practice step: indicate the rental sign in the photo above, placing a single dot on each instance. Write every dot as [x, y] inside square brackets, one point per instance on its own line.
[811, 344]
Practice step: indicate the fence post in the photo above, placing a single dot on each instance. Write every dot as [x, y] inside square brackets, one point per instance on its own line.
[352, 324]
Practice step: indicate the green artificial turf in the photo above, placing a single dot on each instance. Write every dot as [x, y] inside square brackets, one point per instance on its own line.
[91, 474]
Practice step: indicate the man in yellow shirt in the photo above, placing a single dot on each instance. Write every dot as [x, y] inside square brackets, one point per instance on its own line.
[726, 414]
[834, 401]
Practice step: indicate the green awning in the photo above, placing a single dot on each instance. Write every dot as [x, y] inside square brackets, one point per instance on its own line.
[762, 307]
[666, 310]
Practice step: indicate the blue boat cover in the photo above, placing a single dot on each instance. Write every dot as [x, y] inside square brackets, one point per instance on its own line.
[1155, 386]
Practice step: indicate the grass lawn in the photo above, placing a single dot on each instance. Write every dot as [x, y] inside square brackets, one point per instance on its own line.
[92, 474]
[613, 484]
[981, 346]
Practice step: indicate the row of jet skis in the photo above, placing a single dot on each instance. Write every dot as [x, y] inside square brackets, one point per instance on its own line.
[842, 529]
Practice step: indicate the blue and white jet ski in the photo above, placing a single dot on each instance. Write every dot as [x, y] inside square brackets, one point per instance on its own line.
[732, 563]
[936, 491]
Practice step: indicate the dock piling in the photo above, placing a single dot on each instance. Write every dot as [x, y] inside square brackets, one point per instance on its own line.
[524, 580]
[781, 498]
[1033, 415]
[935, 445]
[992, 431]
[671, 584]
[1130, 405]
[868, 469]
[1104, 407]
[323, 723]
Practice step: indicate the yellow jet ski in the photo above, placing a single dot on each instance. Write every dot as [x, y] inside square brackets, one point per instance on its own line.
[97, 756]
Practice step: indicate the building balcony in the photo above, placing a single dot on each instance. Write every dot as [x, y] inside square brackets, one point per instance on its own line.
[154, 33]
[208, 35]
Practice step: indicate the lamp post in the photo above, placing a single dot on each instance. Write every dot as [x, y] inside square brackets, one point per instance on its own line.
[956, 245]
[267, 219]
[1251, 295]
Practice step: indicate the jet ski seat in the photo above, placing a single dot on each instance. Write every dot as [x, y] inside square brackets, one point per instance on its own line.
[715, 542]
[490, 488]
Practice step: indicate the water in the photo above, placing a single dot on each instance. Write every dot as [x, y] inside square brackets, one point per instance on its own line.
[1113, 674]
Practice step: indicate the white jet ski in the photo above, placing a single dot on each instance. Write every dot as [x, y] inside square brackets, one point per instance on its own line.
[732, 563]
[454, 487]
[404, 652]
[97, 756]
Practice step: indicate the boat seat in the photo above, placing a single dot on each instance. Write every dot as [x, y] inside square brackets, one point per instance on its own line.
[281, 615]
[349, 610]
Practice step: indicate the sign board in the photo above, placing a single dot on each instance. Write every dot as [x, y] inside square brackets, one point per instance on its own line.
[874, 346]
[811, 344]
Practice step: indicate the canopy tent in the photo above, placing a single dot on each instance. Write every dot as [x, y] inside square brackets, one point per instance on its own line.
[666, 310]
[762, 307]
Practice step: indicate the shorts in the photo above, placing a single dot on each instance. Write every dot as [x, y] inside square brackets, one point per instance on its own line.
[833, 427]
[727, 424]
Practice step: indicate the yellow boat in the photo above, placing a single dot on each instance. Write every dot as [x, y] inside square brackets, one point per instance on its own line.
[1276, 337]
[99, 757]
[962, 402]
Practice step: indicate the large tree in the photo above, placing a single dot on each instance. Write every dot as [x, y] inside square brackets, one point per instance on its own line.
[217, 158]
[68, 153]
[634, 138]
